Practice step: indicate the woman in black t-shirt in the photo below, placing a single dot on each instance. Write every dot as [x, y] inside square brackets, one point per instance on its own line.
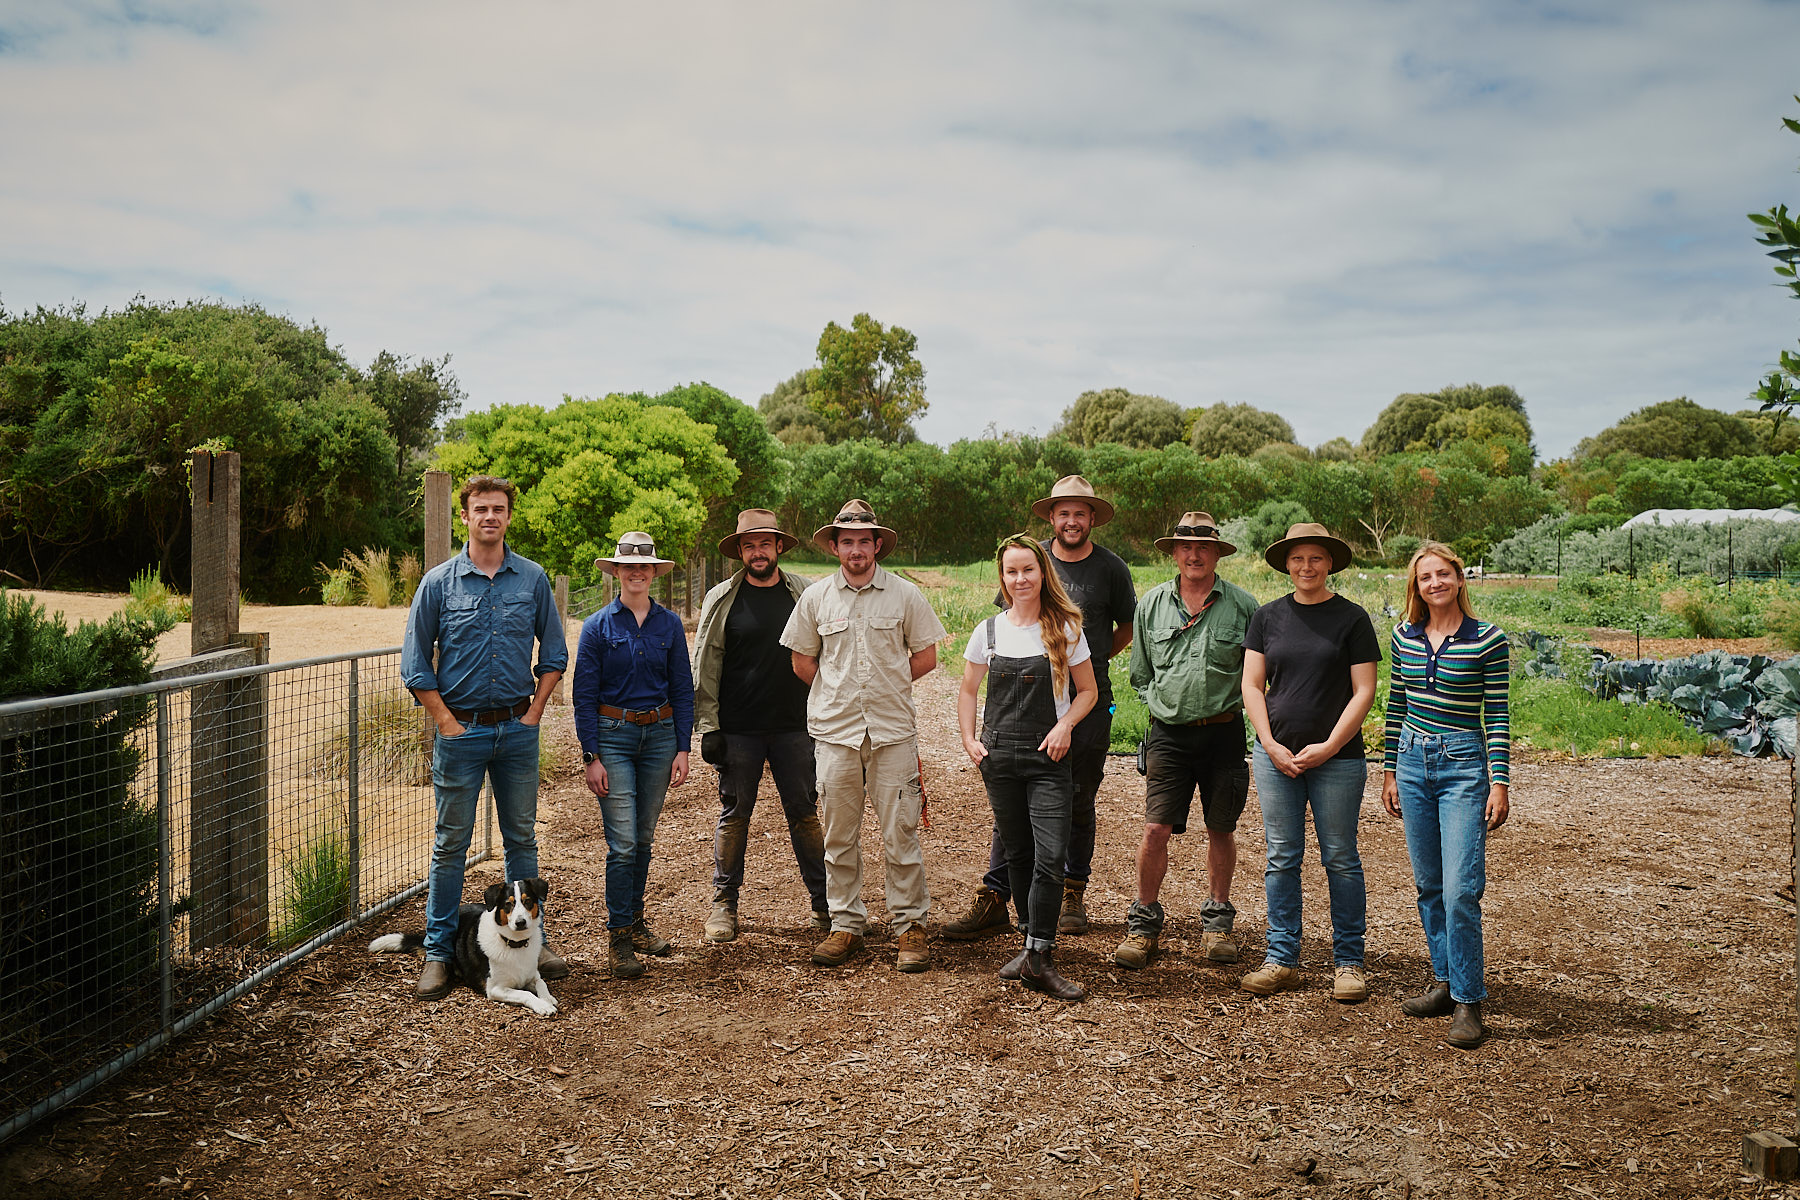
[1309, 679]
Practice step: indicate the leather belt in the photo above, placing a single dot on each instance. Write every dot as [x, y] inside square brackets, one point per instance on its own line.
[644, 716]
[1219, 718]
[490, 716]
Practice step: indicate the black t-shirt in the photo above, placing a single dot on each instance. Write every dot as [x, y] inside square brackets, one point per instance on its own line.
[758, 690]
[1100, 585]
[1309, 650]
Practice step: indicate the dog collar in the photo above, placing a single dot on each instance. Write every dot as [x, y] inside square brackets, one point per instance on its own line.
[519, 945]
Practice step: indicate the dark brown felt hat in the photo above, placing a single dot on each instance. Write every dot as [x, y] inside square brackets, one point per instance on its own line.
[1308, 531]
[856, 514]
[756, 520]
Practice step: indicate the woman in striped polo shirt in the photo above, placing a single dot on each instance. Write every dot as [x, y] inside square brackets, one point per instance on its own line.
[1446, 775]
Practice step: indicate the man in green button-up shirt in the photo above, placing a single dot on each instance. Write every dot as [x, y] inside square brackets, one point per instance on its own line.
[1187, 662]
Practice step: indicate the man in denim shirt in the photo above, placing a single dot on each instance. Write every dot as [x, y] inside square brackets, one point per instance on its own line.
[480, 612]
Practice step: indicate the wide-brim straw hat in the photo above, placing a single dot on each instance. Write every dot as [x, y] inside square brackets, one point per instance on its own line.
[636, 549]
[857, 515]
[1308, 531]
[1196, 527]
[1073, 487]
[755, 520]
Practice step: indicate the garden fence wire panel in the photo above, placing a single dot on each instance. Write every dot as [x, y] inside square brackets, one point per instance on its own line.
[165, 848]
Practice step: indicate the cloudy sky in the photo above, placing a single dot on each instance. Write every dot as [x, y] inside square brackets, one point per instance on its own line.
[1309, 207]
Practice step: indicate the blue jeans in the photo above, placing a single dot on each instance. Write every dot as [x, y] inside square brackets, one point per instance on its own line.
[1031, 796]
[1334, 792]
[637, 759]
[507, 754]
[1443, 780]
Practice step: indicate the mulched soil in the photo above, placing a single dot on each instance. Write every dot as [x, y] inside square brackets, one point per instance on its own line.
[1641, 954]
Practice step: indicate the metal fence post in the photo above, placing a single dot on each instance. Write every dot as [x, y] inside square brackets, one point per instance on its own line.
[165, 866]
[353, 789]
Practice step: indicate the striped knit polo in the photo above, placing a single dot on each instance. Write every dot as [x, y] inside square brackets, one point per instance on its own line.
[1451, 690]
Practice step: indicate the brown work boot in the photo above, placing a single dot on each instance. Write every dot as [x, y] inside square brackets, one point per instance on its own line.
[645, 941]
[621, 956]
[986, 913]
[836, 949]
[1143, 923]
[1013, 968]
[551, 965]
[1219, 946]
[1040, 975]
[722, 926]
[1270, 978]
[915, 955]
[1466, 1030]
[1073, 918]
[1434, 1001]
[1349, 985]
[434, 981]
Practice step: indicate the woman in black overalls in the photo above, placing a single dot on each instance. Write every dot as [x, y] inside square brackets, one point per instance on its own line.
[1040, 686]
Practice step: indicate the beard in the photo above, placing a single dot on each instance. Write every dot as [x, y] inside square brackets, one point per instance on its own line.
[761, 569]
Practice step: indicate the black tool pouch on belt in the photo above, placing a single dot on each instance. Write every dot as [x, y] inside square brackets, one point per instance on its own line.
[712, 747]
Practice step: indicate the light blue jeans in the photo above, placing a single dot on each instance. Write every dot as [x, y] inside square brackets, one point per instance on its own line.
[637, 759]
[1443, 780]
[1334, 791]
[507, 754]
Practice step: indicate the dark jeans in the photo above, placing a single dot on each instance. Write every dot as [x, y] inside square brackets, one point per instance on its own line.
[1086, 761]
[795, 771]
[1031, 797]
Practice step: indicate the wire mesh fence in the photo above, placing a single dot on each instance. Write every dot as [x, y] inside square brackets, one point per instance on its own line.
[164, 848]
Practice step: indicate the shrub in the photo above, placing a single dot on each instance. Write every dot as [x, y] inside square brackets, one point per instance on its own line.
[151, 597]
[410, 574]
[374, 571]
[338, 586]
[1782, 620]
[391, 746]
[1696, 605]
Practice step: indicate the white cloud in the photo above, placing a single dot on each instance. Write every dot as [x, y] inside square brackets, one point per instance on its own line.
[1310, 207]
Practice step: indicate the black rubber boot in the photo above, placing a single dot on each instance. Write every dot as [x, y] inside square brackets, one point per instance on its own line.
[1040, 975]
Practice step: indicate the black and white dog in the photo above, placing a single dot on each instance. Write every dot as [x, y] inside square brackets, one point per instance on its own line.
[497, 944]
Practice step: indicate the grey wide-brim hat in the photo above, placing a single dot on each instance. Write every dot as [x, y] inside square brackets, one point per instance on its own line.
[636, 549]
[1308, 531]
[857, 515]
[1196, 527]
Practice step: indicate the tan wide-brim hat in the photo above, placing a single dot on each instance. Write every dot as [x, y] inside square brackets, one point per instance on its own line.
[636, 549]
[1073, 487]
[1196, 527]
[1308, 531]
[856, 515]
[756, 520]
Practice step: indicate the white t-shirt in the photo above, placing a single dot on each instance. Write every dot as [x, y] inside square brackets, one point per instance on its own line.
[1011, 641]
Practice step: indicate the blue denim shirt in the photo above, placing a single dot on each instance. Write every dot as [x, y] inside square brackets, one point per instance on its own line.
[621, 664]
[482, 630]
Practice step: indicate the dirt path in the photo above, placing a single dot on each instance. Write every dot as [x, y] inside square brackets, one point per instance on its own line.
[1641, 962]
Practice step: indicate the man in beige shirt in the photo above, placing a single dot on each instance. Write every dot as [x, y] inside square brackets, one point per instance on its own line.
[860, 637]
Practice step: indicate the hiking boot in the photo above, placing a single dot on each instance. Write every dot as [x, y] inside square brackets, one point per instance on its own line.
[1073, 918]
[621, 955]
[434, 981]
[1349, 985]
[551, 965]
[836, 949]
[821, 920]
[1270, 978]
[1466, 1030]
[722, 926]
[1143, 924]
[1040, 975]
[915, 955]
[986, 913]
[1434, 1001]
[645, 941]
[1012, 968]
[1219, 947]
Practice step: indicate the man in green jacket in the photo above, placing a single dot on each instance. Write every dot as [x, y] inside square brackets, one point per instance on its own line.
[750, 708]
[1187, 662]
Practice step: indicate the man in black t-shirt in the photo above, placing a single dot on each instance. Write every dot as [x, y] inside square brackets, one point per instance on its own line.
[750, 708]
[1099, 583]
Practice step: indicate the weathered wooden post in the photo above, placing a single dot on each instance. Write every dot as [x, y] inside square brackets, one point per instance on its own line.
[561, 589]
[228, 834]
[437, 517]
[1767, 1154]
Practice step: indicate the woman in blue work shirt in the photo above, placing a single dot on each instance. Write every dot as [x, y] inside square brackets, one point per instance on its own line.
[634, 714]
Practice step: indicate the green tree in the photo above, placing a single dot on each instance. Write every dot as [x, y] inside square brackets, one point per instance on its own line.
[1673, 429]
[415, 399]
[762, 471]
[1145, 422]
[1411, 422]
[869, 382]
[1240, 429]
[589, 470]
[1780, 389]
[788, 414]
